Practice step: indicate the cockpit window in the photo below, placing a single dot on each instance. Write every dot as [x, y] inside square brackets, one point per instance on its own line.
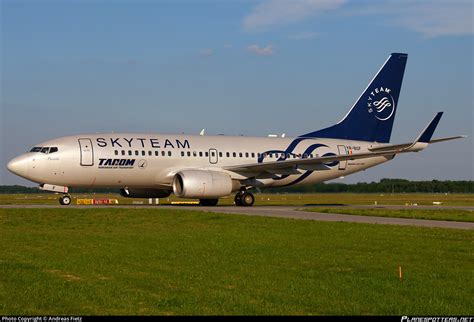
[44, 149]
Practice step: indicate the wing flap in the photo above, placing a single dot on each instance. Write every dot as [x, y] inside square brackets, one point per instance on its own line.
[448, 138]
[279, 167]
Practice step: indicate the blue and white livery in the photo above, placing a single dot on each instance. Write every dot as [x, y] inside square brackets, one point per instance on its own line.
[211, 167]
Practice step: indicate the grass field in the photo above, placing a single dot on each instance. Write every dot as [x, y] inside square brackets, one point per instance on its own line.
[432, 214]
[173, 262]
[275, 199]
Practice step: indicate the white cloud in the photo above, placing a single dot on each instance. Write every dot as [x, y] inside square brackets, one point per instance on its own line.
[430, 18]
[278, 12]
[261, 51]
[434, 19]
[304, 36]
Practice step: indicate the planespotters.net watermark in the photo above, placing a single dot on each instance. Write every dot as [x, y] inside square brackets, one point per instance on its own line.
[437, 319]
[42, 319]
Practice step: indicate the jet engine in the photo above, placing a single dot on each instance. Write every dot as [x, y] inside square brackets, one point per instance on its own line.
[144, 193]
[203, 184]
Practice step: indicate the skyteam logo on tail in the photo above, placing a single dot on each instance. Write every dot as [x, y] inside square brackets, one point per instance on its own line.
[381, 103]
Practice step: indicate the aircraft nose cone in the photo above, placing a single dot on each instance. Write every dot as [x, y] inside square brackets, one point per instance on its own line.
[18, 166]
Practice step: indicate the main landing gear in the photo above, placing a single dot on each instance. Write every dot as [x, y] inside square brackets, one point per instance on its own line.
[65, 200]
[244, 198]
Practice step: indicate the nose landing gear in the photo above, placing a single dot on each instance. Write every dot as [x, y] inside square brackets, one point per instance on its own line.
[244, 198]
[65, 200]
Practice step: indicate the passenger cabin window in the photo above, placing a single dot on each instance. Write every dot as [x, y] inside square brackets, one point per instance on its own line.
[200, 153]
[246, 154]
[116, 152]
[227, 154]
[156, 153]
[150, 153]
[220, 154]
[143, 152]
[162, 153]
[169, 153]
[253, 154]
[137, 153]
[182, 153]
[129, 152]
[123, 152]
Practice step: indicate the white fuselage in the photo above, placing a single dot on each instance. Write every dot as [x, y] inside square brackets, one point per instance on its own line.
[151, 161]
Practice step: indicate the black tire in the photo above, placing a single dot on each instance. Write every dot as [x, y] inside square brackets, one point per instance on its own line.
[208, 202]
[247, 199]
[65, 200]
[238, 199]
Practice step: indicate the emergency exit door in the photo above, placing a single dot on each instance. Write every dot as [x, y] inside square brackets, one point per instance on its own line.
[87, 152]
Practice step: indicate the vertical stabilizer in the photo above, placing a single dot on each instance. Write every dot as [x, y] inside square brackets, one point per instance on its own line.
[371, 118]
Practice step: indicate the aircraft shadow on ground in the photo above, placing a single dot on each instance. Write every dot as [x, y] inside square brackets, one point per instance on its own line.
[325, 205]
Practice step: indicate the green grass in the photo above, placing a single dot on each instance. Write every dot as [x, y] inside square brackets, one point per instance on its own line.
[433, 214]
[148, 261]
[320, 199]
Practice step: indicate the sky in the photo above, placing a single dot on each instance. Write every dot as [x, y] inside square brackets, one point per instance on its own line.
[248, 68]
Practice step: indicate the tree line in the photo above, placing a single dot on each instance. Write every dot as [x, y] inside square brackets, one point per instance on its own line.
[383, 186]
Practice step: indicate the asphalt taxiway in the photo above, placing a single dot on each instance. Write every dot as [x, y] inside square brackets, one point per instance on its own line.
[294, 212]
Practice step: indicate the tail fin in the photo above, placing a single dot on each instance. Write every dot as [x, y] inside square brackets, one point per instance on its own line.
[371, 117]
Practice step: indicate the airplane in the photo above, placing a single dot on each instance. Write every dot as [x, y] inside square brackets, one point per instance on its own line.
[212, 167]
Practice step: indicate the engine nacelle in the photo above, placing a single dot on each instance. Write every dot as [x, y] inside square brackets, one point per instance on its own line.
[144, 193]
[202, 184]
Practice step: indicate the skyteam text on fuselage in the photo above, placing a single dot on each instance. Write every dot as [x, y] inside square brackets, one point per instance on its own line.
[211, 167]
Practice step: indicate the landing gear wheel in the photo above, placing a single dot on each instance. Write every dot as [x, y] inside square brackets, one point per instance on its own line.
[65, 200]
[208, 202]
[247, 199]
[238, 198]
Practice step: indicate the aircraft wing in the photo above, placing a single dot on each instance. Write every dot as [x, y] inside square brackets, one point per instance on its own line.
[319, 163]
[291, 166]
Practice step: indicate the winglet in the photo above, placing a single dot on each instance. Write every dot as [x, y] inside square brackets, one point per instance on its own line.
[427, 133]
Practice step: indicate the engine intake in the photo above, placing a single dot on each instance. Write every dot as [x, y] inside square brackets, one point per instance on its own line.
[202, 184]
